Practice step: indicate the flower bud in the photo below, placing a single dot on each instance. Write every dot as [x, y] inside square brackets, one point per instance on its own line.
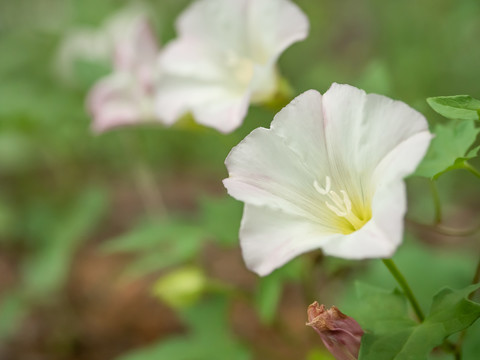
[340, 333]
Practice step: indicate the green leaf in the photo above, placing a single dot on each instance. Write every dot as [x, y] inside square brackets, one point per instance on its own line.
[390, 308]
[461, 107]
[267, 297]
[46, 271]
[159, 244]
[269, 289]
[221, 218]
[471, 347]
[445, 268]
[399, 339]
[450, 145]
[208, 337]
[12, 309]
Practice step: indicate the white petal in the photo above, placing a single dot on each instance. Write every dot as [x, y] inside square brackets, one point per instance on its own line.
[403, 159]
[270, 238]
[191, 59]
[300, 125]
[362, 129]
[224, 115]
[196, 80]
[137, 48]
[265, 171]
[219, 23]
[274, 26]
[82, 44]
[209, 102]
[380, 237]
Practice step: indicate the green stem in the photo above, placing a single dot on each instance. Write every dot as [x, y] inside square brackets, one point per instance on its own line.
[144, 178]
[471, 169]
[476, 278]
[436, 202]
[405, 287]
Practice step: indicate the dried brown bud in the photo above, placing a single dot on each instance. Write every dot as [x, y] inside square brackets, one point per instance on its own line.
[340, 333]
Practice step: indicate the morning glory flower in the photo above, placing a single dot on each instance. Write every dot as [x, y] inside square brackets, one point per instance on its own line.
[101, 45]
[224, 59]
[125, 97]
[328, 175]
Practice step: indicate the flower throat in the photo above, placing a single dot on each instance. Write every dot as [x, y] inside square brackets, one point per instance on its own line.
[342, 207]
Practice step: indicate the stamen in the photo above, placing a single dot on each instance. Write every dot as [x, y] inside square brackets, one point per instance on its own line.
[336, 199]
[336, 210]
[323, 191]
[346, 201]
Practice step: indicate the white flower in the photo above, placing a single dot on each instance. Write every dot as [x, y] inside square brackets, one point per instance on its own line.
[327, 175]
[224, 58]
[126, 43]
[125, 97]
[99, 45]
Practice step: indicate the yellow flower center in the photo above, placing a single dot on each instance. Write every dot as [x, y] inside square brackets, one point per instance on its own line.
[351, 215]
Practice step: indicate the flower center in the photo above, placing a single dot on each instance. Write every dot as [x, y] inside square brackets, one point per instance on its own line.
[242, 68]
[341, 206]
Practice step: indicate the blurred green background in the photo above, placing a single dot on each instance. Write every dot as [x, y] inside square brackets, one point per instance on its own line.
[124, 245]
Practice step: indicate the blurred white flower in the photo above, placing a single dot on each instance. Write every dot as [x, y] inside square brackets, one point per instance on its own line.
[125, 97]
[326, 175]
[126, 42]
[224, 58]
[99, 45]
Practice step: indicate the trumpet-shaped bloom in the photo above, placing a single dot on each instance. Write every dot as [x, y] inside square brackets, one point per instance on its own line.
[125, 97]
[224, 58]
[328, 174]
[105, 45]
[127, 43]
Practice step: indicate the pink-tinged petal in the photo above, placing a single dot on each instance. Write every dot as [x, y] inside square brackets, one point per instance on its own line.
[117, 101]
[138, 47]
[380, 237]
[270, 238]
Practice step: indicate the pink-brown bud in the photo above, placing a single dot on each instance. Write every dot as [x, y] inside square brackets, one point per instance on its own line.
[340, 333]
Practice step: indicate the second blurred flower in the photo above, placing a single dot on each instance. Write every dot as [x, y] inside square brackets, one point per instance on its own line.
[224, 58]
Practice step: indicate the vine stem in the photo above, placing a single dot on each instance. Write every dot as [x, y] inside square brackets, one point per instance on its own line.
[405, 287]
[471, 169]
[436, 202]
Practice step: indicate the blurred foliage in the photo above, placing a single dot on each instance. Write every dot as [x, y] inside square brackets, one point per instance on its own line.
[208, 338]
[393, 335]
[449, 147]
[60, 185]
